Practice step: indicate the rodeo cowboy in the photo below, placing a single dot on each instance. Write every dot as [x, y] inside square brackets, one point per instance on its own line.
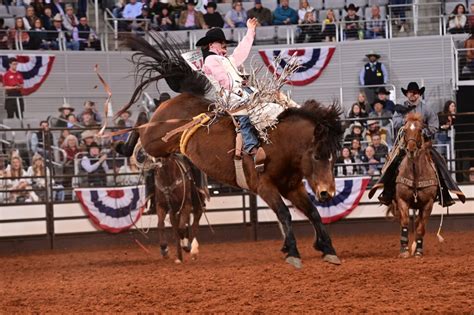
[223, 70]
[416, 104]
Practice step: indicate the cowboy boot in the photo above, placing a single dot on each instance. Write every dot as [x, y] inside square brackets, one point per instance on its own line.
[259, 157]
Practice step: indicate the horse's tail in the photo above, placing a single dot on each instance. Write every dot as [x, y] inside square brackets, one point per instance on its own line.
[392, 209]
[161, 59]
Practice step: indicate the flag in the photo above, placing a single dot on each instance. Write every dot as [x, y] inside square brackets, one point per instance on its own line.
[312, 62]
[34, 68]
[113, 209]
[349, 191]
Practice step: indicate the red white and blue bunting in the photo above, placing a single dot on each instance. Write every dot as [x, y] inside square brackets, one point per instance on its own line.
[349, 191]
[34, 68]
[113, 209]
[312, 62]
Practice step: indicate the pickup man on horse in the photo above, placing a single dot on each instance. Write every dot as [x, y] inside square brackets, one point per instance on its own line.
[223, 72]
[416, 104]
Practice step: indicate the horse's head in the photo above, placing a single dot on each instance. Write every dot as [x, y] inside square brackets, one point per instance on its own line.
[413, 133]
[320, 157]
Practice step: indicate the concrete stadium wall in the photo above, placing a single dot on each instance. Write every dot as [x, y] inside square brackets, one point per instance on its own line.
[427, 59]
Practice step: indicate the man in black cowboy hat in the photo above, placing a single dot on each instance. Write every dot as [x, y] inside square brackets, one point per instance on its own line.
[212, 17]
[373, 73]
[415, 104]
[223, 71]
[352, 24]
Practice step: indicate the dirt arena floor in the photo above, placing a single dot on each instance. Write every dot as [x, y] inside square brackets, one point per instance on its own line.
[246, 277]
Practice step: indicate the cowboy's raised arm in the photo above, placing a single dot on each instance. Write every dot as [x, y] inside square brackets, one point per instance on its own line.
[241, 52]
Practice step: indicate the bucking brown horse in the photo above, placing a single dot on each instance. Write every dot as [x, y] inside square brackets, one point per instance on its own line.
[303, 145]
[416, 185]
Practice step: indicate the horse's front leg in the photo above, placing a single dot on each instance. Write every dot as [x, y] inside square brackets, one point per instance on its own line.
[403, 208]
[183, 230]
[175, 226]
[270, 194]
[421, 221]
[300, 199]
[197, 213]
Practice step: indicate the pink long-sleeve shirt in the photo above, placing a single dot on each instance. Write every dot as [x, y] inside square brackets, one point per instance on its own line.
[213, 65]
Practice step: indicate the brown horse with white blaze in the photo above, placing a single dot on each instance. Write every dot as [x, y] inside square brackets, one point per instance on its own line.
[416, 185]
[302, 146]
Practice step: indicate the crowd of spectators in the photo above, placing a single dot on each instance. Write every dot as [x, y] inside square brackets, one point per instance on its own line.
[48, 27]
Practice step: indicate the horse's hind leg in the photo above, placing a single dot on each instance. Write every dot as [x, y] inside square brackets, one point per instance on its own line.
[197, 213]
[161, 231]
[301, 200]
[403, 208]
[421, 221]
[183, 229]
[272, 197]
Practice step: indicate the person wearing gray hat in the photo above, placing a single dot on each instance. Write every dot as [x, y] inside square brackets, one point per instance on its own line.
[263, 15]
[373, 73]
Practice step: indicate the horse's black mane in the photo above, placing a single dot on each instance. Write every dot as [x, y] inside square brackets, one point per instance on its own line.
[161, 59]
[328, 130]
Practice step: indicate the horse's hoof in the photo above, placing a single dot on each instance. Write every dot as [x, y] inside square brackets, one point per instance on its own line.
[332, 259]
[164, 253]
[194, 256]
[194, 247]
[418, 255]
[405, 254]
[178, 261]
[295, 262]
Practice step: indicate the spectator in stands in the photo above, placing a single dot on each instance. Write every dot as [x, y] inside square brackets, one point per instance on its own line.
[38, 168]
[469, 45]
[40, 140]
[212, 17]
[17, 184]
[382, 94]
[156, 7]
[373, 73]
[64, 111]
[3, 34]
[375, 25]
[87, 119]
[90, 106]
[470, 18]
[86, 36]
[71, 146]
[166, 22]
[157, 102]
[284, 15]
[356, 132]
[130, 167]
[381, 150]
[58, 28]
[38, 6]
[121, 137]
[20, 33]
[373, 167]
[144, 21]
[374, 128]
[95, 164]
[446, 121]
[357, 111]
[13, 85]
[57, 7]
[263, 15]
[379, 112]
[457, 20]
[70, 19]
[38, 36]
[47, 18]
[399, 13]
[236, 17]
[345, 158]
[125, 116]
[190, 19]
[306, 20]
[72, 121]
[63, 136]
[132, 10]
[117, 11]
[87, 138]
[30, 18]
[356, 150]
[329, 27]
[352, 24]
